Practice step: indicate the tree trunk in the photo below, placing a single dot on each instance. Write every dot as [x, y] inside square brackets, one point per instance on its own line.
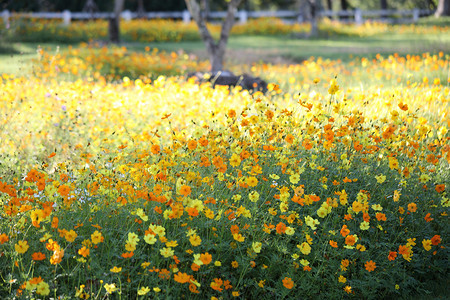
[215, 50]
[384, 6]
[344, 6]
[313, 9]
[141, 9]
[114, 22]
[443, 8]
[329, 5]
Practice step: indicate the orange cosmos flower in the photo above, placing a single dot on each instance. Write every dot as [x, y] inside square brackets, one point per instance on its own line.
[412, 207]
[84, 251]
[440, 188]
[288, 283]
[192, 144]
[350, 240]
[38, 256]
[344, 230]
[392, 255]
[333, 244]
[281, 228]
[289, 139]
[370, 265]
[63, 190]
[182, 277]
[380, 216]
[57, 256]
[216, 284]
[435, 240]
[3, 238]
[155, 149]
[206, 258]
[185, 190]
[428, 217]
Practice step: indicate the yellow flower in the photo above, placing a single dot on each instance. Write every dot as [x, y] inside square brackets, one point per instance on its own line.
[195, 240]
[110, 288]
[305, 248]
[393, 163]
[294, 178]
[150, 239]
[70, 236]
[96, 237]
[253, 196]
[156, 289]
[257, 247]
[426, 244]
[166, 252]
[133, 238]
[364, 225]
[42, 289]
[380, 178]
[143, 290]
[235, 160]
[217, 263]
[252, 181]
[116, 269]
[342, 279]
[21, 247]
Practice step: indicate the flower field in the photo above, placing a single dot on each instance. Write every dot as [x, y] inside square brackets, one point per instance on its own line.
[334, 184]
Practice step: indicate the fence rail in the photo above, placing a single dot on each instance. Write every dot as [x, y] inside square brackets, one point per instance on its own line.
[355, 16]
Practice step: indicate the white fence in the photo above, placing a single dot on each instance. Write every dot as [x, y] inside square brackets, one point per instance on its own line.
[356, 16]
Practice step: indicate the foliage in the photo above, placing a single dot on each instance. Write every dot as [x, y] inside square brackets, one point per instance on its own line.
[32, 30]
[324, 187]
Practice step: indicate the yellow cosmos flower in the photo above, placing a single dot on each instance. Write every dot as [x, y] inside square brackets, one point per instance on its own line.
[305, 248]
[110, 288]
[116, 269]
[256, 246]
[143, 290]
[21, 247]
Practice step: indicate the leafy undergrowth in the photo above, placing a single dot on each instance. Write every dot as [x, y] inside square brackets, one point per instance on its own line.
[167, 188]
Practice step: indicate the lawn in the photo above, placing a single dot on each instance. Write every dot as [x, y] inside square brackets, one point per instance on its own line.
[119, 180]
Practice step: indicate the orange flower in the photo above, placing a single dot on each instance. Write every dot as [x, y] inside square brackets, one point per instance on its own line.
[63, 190]
[206, 258]
[380, 216]
[344, 230]
[435, 240]
[412, 207]
[370, 265]
[57, 256]
[38, 256]
[193, 288]
[155, 149]
[234, 229]
[289, 139]
[84, 251]
[281, 228]
[182, 277]
[127, 254]
[185, 190]
[288, 283]
[3, 238]
[350, 240]
[192, 144]
[428, 217]
[307, 144]
[216, 284]
[333, 244]
[392, 255]
[440, 188]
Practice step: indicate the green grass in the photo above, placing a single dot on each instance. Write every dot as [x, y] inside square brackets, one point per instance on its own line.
[247, 49]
